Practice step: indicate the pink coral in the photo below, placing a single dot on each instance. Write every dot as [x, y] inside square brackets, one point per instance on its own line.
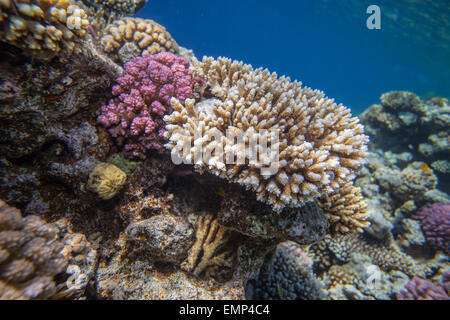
[134, 117]
[420, 289]
[435, 224]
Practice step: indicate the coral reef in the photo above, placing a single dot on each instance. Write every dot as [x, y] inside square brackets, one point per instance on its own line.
[320, 146]
[409, 184]
[135, 116]
[435, 224]
[43, 28]
[118, 6]
[405, 123]
[359, 279]
[96, 208]
[128, 38]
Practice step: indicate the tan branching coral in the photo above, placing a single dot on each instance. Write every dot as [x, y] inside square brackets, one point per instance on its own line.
[106, 180]
[136, 37]
[123, 6]
[346, 209]
[320, 145]
[44, 27]
[211, 251]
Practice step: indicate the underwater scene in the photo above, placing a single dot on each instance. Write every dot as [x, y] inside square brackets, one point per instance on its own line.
[224, 150]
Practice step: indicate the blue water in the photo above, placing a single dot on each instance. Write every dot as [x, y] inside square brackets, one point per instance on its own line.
[324, 44]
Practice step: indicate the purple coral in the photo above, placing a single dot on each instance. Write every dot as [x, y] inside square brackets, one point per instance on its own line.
[419, 289]
[435, 224]
[134, 117]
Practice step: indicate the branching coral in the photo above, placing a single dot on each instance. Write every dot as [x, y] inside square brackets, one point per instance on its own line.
[134, 116]
[346, 209]
[435, 224]
[320, 145]
[133, 37]
[211, 251]
[44, 27]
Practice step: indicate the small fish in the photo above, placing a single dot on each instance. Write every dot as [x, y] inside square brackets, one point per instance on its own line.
[221, 192]
[425, 168]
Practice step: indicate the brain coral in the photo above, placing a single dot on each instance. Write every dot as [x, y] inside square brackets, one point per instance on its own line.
[134, 36]
[435, 224]
[135, 116]
[43, 26]
[320, 145]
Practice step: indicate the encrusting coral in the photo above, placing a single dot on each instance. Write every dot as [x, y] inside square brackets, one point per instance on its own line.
[320, 145]
[106, 180]
[129, 38]
[43, 27]
[135, 116]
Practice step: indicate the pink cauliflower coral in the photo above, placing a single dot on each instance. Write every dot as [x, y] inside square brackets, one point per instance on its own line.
[134, 117]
